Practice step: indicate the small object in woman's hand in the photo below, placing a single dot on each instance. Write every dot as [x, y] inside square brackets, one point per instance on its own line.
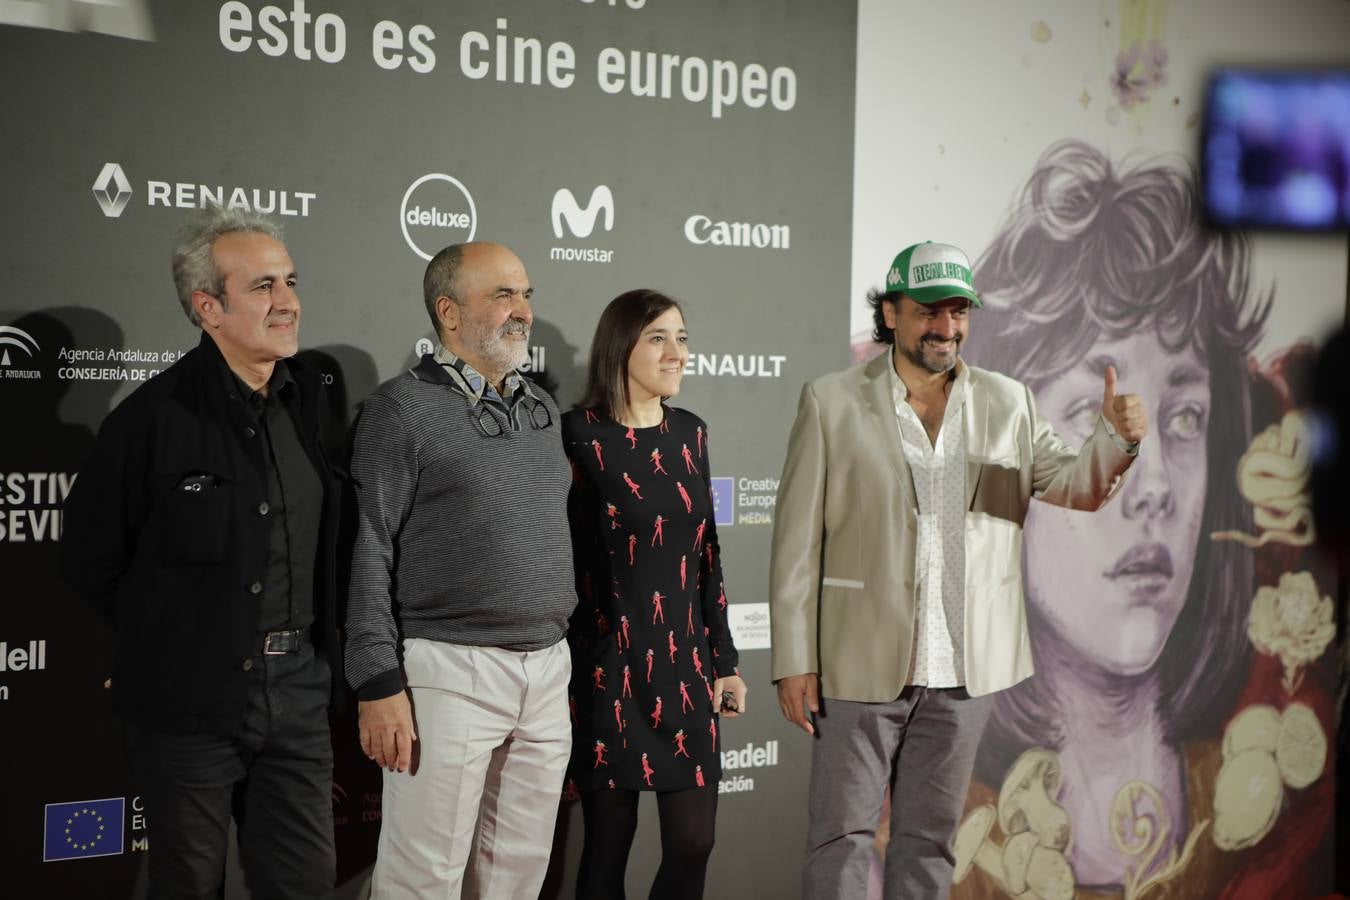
[729, 702]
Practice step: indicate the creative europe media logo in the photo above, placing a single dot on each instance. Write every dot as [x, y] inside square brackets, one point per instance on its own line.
[743, 501]
[83, 829]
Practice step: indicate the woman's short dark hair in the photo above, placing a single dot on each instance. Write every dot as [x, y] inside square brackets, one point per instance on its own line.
[1092, 252]
[616, 334]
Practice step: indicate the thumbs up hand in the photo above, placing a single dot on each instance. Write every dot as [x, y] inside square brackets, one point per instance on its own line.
[1125, 412]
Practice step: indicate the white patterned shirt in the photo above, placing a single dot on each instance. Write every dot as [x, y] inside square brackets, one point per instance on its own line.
[939, 473]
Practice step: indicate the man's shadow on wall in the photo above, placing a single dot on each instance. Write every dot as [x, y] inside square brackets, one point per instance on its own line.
[52, 418]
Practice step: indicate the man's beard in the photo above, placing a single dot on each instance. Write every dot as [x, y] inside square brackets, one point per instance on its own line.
[936, 366]
[494, 348]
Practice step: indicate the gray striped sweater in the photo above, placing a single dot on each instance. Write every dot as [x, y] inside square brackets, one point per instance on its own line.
[461, 537]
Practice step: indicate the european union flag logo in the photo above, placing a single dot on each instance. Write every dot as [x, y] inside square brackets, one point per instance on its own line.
[724, 501]
[83, 829]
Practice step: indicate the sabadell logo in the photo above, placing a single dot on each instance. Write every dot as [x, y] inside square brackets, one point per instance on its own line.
[437, 211]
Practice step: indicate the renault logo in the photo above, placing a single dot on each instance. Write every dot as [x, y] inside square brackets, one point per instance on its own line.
[112, 190]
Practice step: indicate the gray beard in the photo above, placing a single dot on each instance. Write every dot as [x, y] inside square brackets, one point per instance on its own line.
[507, 356]
[496, 351]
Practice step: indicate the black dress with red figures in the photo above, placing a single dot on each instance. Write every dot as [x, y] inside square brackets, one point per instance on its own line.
[650, 636]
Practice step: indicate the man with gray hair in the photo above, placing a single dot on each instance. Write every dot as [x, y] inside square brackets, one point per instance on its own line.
[203, 529]
[461, 588]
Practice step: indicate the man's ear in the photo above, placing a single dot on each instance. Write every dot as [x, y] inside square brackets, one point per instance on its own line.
[208, 308]
[890, 312]
[447, 313]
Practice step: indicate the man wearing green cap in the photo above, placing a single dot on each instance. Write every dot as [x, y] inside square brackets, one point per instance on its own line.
[896, 586]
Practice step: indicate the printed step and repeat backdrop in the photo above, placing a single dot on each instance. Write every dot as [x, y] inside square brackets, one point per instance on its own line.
[704, 148]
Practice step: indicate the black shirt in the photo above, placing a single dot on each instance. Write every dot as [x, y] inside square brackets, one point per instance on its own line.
[291, 510]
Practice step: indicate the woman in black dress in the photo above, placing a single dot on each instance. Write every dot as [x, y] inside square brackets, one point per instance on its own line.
[652, 656]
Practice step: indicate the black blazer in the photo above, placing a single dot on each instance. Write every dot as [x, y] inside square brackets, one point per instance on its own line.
[173, 569]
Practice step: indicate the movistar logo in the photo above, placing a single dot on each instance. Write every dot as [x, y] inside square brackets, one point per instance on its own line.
[581, 220]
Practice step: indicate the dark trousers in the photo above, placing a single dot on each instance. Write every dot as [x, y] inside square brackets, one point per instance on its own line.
[921, 747]
[274, 777]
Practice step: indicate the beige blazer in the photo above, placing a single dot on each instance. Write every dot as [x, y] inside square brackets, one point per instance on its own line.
[841, 585]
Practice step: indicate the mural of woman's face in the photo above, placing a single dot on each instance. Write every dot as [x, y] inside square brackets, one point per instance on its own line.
[1111, 583]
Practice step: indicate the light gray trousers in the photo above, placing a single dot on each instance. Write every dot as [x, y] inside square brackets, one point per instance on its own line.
[921, 746]
[493, 742]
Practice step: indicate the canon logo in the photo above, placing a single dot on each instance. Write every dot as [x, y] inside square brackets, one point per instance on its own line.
[699, 229]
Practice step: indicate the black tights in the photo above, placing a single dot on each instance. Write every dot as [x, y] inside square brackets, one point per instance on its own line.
[687, 819]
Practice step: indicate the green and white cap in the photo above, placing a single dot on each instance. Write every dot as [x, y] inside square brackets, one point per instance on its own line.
[930, 272]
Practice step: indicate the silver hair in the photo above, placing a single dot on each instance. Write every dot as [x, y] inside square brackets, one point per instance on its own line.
[194, 262]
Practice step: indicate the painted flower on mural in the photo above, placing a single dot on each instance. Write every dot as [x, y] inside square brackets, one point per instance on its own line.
[1155, 63]
[1140, 68]
[1291, 621]
[1273, 477]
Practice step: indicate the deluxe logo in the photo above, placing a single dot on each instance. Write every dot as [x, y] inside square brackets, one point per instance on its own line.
[699, 229]
[581, 221]
[83, 829]
[113, 191]
[437, 211]
[21, 340]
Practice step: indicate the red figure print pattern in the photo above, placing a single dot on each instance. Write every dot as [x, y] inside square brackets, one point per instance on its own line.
[637, 742]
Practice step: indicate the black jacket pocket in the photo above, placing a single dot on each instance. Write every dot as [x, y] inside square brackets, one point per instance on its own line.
[196, 520]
